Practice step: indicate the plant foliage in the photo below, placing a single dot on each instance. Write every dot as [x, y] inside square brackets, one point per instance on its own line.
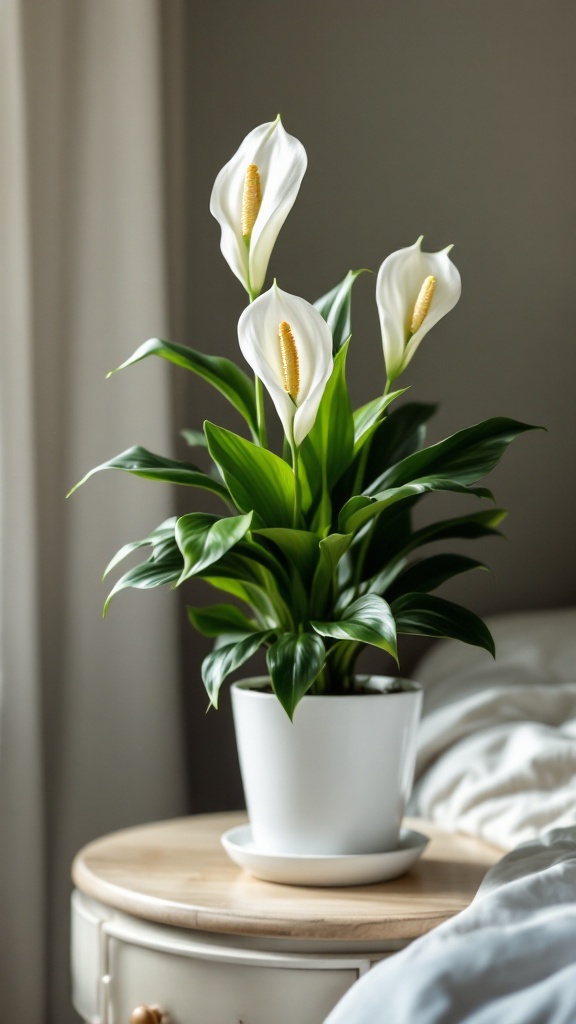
[315, 546]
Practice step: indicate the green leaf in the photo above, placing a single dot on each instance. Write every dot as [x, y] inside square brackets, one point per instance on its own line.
[225, 660]
[160, 537]
[430, 573]
[471, 527]
[299, 546]
[249, 580]
[391, 538]
[399, 435]
[329, 447]
[361, 508]
[287, 582]
[195, 438]
[257, 479]
[220, 618]
[382, 582]
[254, 595]
[140, 462]
[367, 417]
[428, 615]
[203, 539]
[335, 308]
[332, 550]
[293, 662]
[368, 620]
[253, 548]
[222, 373]
[156, 572]
[464, 457]
[390, 534]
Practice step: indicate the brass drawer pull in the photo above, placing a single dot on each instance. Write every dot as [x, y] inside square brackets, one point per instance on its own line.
[148, 1015]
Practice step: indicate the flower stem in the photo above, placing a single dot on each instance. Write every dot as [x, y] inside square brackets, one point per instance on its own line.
[297, 485]
[260, 413]
[357, 486]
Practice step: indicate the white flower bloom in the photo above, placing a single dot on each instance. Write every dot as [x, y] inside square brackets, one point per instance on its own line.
[289, 347]
[414, 290]
[252, 196]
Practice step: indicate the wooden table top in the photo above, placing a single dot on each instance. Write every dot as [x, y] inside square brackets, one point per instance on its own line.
[176, 873]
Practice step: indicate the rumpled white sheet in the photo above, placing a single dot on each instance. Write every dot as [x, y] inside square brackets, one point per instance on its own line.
[497, 759]
[497, 746]
[510, 958]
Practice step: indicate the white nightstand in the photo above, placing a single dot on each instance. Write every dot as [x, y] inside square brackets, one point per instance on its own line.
[161, 918]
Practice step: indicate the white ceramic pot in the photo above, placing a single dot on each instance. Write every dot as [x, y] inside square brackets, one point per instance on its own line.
[337, 779]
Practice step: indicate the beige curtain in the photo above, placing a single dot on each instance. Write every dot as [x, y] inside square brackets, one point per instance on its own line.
[90, 735]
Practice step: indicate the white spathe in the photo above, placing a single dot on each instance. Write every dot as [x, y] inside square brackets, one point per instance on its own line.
[281, 161]
[400, 279]
[258, 336]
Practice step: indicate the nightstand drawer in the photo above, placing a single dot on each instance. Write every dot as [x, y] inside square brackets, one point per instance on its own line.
[223, 985]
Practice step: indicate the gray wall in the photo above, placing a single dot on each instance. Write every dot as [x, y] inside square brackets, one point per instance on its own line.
[451, 118]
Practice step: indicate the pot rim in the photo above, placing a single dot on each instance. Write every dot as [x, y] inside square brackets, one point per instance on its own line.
[410, 688]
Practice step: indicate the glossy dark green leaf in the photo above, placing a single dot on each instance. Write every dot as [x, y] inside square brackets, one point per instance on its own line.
[369, 620]
[299, 546]
[400, 434]
[471, 527]
[329, 447]
[360, 509]
[220, 618]
[160, 537]
[157, 572]
[222, 373]
[335, 307]
[293, 662]
[253, 547]
[203, 539]
[289, 576]
[464, 457]
[430, 573]
[382, 582]
[257, 479]
[367, 417]
[254, 595]
[246, 578]
[226, 659]
[428, 615]
[140, 462]
[389, 534]
[244, 562]
[332, 550]
[391, 537]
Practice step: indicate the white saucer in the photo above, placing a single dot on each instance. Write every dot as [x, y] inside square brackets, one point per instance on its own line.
[320, 869]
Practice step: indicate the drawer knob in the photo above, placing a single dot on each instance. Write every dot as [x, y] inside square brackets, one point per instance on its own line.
[148, 1015]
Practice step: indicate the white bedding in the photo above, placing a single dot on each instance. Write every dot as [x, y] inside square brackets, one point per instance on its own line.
[497, 759]
[510, 958]
[497, 747]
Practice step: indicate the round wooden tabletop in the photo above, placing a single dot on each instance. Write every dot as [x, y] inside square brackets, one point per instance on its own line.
[176, 873]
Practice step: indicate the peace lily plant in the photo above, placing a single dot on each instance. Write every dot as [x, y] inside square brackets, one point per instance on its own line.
[315, 543]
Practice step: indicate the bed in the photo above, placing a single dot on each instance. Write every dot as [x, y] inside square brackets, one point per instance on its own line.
[497, 759]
